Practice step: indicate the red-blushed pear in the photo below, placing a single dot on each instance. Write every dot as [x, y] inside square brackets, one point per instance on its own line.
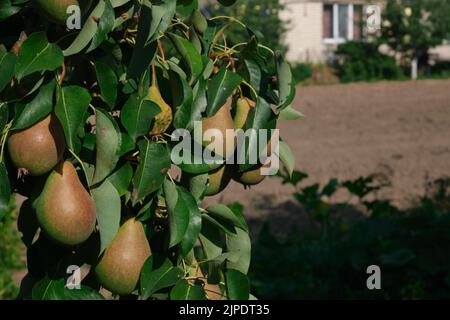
[65, 210]
[221, 121]
[39, 148]
[120, 266]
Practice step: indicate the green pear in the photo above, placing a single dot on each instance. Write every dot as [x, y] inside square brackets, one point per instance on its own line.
[39, 148]
[218, 180]
[243, 107]
[56, 10]
[249, 178]
[120, 266]
[64, 209]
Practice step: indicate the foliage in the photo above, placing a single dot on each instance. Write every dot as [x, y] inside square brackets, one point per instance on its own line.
[96, 82]
[9, 254]
[329, 262]
[361, 61]
[262, 16]
[412, 27]
[302, 71]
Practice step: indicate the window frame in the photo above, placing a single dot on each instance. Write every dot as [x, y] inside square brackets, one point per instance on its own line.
[335, 25]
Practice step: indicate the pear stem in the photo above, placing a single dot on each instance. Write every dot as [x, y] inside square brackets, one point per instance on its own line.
[161, 50]
[154, 84]
[63, 74]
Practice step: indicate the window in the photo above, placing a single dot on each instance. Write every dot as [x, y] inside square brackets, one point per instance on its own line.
[341, 22]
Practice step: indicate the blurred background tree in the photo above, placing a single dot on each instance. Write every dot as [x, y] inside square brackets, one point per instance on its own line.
[412, 27]
[261, 16]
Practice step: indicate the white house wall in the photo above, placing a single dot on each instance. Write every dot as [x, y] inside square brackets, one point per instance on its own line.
[304, 36]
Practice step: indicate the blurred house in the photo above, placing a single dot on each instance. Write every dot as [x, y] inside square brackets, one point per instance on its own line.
[317, 27]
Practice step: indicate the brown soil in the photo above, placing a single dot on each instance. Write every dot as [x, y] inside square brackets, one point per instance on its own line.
[398, 129]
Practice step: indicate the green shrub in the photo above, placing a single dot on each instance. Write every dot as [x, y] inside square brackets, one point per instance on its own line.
[439, 70]
[329, 262]
[302, 71]
[9, 256]
[361, 61]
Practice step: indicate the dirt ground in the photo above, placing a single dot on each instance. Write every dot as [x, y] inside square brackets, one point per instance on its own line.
[398, 129]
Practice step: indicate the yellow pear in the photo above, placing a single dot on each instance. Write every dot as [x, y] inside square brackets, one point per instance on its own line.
[163, 119]
[220, 121]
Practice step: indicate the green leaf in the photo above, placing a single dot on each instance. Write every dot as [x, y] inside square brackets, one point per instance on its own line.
[108, 206]
[137, 116]
[254, 73]
[143, 52]
[4, 115]
[198, 184]
[184, 291]
[290, 113]
[178, 212]
[7, 65]
[107, 81]
[224, 225]
[238, 286]
[162, 15]
[185, 7]
[286, 83]
[38, 108]
[108, 143]
[241, 245]
[182, 98]
[7, 9]
[287, 157]
[220, 87]
[153, 280]
[127, 144]
[260, 117]
[195, 222]
[88, 31]
[190, 56]
[222, 212]
[153, 166]
[195, 163]
[70, 108]
[5, 190]
[49, 289]
[37, 54]
[121, 178]
[105, 26]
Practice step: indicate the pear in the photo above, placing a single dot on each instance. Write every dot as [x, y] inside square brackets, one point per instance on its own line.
[221, 121]
[39, 148]
[243, 107]
[250, 178]
[120, 266]
[165, 117]
[218, 180]
[64, 209]
[56, 10]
